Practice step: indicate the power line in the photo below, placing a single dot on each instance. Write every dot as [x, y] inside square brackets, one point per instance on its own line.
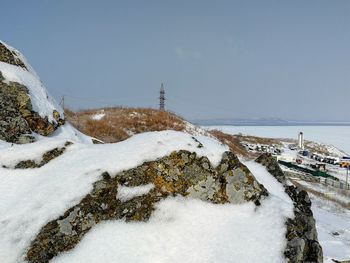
[62, 102]
[78, 98]
[188, 103]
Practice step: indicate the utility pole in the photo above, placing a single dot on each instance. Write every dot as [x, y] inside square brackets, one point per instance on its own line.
[62, 102]
[162, 98]
[347, 160]
[347, 175]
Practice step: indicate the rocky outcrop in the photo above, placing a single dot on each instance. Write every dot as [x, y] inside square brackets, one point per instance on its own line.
[302, 242]
[18, 120]
[181, 173]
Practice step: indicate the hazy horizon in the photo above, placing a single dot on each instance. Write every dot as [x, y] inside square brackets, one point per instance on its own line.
[217, 60]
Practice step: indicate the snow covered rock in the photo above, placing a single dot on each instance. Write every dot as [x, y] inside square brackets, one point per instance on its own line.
[132, 195]
[26, 107]
[42, 160]
[10, 56]
[302, 245]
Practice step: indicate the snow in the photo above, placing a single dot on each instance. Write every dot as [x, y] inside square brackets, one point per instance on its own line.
[179, 230]
[69, 133]
[136, 114]
[331, 218]
[20, 56]
[195, 130]
[271, 184]
[32, 197]
[98, 116]
[188, 230]
[42, 102]
[330, 191]
[329, 148]
[10, 155]
[126, 193]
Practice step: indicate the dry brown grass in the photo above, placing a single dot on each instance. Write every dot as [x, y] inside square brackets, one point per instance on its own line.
[258, 140]
[120, 123]
[233, 142]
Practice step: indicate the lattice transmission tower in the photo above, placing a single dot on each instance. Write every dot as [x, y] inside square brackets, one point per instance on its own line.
[162, 98]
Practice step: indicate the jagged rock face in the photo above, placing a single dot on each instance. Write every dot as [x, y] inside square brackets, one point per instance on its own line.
[17, 119]
[302, 242]
[10, 57]
[181, 173]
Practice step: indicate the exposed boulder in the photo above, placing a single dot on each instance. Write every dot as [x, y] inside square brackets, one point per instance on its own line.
[302, 242]
[181, 173]
[18, 119]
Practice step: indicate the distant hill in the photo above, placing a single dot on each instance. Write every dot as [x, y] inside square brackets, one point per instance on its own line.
[116, 124]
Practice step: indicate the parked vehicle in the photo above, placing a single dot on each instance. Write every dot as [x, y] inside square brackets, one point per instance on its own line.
[305, 153]
[343, 164]
[292, 147]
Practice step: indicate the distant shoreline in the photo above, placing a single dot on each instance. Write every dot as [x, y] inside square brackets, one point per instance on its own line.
[266, 123]
[325, 133]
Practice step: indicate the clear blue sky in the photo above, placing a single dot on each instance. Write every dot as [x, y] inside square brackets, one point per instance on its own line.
[228, 59]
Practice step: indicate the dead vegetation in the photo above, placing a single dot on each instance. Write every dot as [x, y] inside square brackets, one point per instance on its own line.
[258, 140]
[120, 123]
[233, 142]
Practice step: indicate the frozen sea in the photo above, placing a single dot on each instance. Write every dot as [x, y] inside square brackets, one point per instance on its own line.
[338, 136]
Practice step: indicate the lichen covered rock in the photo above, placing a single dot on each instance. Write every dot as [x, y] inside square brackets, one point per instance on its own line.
[18, 120]
[181, 173]
[302, 242]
